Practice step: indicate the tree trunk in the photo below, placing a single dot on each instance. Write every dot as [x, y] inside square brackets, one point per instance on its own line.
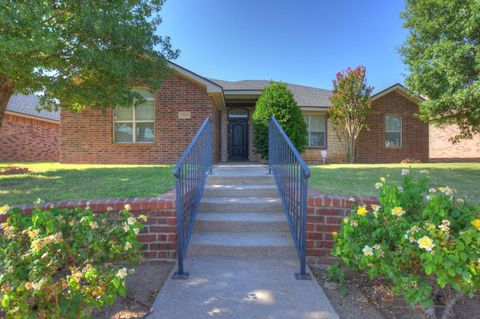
[6, 91]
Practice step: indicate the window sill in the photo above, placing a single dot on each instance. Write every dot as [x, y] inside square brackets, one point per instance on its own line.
[316, 147]
[134, 144]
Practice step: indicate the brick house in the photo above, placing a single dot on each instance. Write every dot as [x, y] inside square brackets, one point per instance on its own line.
[27, 134]
[159, 130]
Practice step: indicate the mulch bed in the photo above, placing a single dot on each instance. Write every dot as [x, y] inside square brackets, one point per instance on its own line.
[142, 288]
[373, 299]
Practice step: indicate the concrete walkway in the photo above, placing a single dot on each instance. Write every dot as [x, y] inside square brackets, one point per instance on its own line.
[241, 257]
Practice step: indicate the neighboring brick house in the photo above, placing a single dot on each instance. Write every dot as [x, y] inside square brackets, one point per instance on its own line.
[158, 131]
[27, 134]
[443, 150]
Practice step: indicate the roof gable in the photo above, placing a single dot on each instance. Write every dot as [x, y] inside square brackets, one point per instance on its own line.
[401, 90]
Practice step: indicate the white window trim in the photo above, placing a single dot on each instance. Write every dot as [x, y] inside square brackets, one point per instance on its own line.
[309, 131]
[399, 131]
[134, 124]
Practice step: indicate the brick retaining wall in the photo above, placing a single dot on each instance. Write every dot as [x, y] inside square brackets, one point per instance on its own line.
[159, 232]
[325, 214]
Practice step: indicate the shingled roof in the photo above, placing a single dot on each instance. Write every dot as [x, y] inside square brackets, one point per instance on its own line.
[30, 105]
[306, 96]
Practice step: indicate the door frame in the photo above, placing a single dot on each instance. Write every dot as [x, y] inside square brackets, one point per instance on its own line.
[244, 120]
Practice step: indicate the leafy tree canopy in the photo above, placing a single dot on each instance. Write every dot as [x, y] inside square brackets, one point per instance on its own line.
[81, 53]
[442, 53]
[276, 100]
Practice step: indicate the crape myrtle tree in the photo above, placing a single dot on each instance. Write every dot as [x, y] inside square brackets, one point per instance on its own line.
[442, 53]
[81, 53]
[350, 106]
[276, 100]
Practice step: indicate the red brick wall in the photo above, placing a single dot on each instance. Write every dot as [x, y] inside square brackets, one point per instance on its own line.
[24, 139]
[159, 234]
[325, 214]
[87, 136]
[371, 144]
[442, 150]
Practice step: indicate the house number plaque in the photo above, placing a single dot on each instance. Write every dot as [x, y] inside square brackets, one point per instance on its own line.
[184, 115]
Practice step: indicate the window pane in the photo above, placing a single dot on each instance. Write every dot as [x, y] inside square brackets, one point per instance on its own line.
[123, 114]
[317, 139]
[144, 132]
[145, 112]
[393, 140]
[317, 123]
[123, 133]
[238, 114]
[144, 93]
[393, 123]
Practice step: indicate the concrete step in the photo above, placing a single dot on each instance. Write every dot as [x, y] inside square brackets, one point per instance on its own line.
[243, 179]
[241, 204]
[223, 190]
[241, 222]
[249, 244]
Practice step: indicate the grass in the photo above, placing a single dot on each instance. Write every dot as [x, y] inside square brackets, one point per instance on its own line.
[56, 181]
[359, 179]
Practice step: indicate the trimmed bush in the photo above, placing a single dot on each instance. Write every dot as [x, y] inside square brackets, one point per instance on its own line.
[61, 263]
[276, 100]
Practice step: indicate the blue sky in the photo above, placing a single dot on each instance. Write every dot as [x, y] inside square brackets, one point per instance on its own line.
[302, 42]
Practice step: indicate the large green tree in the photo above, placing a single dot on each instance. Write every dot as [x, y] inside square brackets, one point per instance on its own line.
[350, 106]
[442, 53]
[81, 53]
[276, 100]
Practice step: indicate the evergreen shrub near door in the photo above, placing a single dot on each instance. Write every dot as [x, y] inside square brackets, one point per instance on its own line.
[62, 263]
[426, 241]
[276, 100]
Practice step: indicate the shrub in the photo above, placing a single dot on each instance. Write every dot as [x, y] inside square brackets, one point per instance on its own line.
[61, 263]
[276, 100]
[425, 241]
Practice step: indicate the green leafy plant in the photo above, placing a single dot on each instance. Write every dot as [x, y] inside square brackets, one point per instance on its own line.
[61, 263]
[424, 240]
[336, 274]
[276, 100]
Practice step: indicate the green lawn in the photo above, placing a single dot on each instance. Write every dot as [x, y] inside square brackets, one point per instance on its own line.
[359, 179]
[55, 182]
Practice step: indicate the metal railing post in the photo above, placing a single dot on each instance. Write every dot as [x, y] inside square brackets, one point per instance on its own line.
[291, 175]
[191, 173]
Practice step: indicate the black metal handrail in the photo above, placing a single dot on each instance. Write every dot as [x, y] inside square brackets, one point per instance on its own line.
[191, 174]
[291, 176]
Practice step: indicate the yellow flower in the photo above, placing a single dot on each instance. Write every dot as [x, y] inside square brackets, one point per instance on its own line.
[131, 220]
[93, 225]
[4, 209]
[382, 179]
[398, 211]
[136, 231]
[378, 185]
[32, 233]
[362, 211]
[334, 233]
[10, 269]
[143, 218]
[28, 285]
[476, 223]
[426, 243]
[128, 246]
[109, 209]
[126, 228]
[128, 207]
[345, 220]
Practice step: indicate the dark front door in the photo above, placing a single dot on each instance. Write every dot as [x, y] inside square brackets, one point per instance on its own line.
[237, 141]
